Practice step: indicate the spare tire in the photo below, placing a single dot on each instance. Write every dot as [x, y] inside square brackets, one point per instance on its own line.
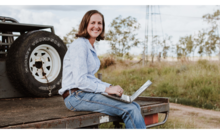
[34, 63]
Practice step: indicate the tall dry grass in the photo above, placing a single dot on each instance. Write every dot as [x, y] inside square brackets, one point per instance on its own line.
[107, 61]
[190, 83]
[176, 123]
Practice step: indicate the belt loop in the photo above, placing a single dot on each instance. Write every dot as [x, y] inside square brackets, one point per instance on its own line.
[70, 92]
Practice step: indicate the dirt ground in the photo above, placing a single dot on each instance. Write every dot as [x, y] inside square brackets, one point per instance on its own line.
[200, 118]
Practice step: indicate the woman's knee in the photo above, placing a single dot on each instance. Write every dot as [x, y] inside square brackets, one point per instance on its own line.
[136, 104]
[133, 109]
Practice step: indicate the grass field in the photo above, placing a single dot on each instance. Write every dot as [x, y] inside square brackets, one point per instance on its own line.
[191, 83]
[195, 83]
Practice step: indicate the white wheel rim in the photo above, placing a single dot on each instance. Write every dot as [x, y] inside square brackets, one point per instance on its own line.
[51, 63]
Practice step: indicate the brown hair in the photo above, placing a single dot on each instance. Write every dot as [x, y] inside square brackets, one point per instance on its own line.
[84, 23]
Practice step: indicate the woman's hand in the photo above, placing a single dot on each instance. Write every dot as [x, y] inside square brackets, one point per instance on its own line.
[114, 90]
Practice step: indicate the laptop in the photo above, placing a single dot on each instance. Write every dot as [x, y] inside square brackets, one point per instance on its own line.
[129, 99]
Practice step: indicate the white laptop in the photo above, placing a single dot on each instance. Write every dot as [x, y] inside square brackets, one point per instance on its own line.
[129, 99]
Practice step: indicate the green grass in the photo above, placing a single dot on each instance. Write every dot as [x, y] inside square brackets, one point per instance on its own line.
[175, 123]
[190, 83]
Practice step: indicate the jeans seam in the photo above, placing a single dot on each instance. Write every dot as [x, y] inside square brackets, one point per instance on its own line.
[113, 107]
[71, 107]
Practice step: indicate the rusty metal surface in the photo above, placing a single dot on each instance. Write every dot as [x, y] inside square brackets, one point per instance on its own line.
[6, 88]
[146, 99]
[71, 122]
[157, 108]
[26, 110]
[52, 113]
[145, 103]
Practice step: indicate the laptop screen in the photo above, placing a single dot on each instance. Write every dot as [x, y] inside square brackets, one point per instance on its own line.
[140, 90]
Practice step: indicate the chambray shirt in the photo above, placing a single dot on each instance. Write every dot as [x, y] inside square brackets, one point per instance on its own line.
[80, 63]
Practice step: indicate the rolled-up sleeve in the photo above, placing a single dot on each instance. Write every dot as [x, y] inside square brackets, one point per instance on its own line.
[105, 83]
[79, 64]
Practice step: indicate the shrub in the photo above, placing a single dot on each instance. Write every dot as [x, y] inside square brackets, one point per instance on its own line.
[107, 61]
[167, 89]
[206, 92]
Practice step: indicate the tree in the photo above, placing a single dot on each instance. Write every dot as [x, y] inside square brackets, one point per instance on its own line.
[211, 18]
[165, 43]
[211, 42]
[199, 41]
[122, 36]
[205, 40]
[70, 37]
[156, 42]
[185, 46]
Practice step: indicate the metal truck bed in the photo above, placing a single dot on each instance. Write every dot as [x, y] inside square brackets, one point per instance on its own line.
[52, 113]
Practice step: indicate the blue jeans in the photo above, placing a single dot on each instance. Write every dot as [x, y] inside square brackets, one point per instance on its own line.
[86, 101]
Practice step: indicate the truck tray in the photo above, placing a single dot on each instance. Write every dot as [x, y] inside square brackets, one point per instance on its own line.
[52, 113]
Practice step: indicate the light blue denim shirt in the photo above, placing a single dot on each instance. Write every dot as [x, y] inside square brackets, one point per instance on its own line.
[80, 64]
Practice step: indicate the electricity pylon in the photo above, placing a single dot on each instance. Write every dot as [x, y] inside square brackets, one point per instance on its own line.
[155, 27]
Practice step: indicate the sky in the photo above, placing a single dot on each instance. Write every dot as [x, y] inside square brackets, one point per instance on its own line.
[173, 20]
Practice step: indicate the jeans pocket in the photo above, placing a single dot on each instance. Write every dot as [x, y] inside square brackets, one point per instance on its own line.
[71, 102]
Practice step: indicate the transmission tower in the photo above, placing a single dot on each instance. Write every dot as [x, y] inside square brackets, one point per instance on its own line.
[153, 23]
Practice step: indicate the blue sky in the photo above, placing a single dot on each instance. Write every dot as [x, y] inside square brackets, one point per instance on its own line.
[174, 20]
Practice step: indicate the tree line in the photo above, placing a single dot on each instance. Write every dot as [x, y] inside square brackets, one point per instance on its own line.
[206, 40]
[122, 36]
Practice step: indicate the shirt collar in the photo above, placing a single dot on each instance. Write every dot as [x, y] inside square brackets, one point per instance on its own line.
[90, 46]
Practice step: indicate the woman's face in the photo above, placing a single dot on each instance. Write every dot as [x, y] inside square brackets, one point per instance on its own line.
[95, 26]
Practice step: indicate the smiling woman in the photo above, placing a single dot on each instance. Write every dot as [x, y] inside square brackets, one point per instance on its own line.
[94, 27]
[92, 21]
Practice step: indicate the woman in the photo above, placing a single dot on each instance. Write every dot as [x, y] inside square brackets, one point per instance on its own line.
[81, 90]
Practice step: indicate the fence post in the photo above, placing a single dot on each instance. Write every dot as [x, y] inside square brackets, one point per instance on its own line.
[100, 76]
[159, 56]
[219, 51]
[143, 57]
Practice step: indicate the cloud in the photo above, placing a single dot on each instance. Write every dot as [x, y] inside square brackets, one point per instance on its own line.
[56, 7]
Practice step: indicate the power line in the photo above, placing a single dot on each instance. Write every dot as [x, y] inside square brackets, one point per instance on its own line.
[188, 16]
[181, 16]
